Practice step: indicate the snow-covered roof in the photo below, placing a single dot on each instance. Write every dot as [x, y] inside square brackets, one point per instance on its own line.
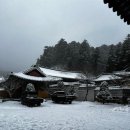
[1, 79]
[122, 73]
[28, 77]
[61, 74]
[114, 88]
[1, 89]
[107, 77]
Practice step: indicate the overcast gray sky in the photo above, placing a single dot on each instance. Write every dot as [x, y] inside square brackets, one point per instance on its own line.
[26, 26]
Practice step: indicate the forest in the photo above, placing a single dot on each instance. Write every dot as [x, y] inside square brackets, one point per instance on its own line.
[83, 57]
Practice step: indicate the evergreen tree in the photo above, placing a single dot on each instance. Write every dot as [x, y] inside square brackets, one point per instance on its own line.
[125, 53]
[60, 52]
[73, 56]
[104, 94]
[118, 57]
[111, 60]
[84, 56]
[47, 59]
[95, 60]
[103, 58]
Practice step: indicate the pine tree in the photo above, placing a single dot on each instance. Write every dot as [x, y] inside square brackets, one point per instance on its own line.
[125, 53]
[111, 60]
[84, 56]
[118, 57]
[60, 52]
[104, 94]
[47, 59]
[77, 56]
[73, 56]
[95, 59]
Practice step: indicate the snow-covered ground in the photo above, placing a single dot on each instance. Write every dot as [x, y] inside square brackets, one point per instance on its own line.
[75, 116]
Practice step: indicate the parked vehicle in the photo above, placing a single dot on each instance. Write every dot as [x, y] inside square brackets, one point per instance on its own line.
[62, 97]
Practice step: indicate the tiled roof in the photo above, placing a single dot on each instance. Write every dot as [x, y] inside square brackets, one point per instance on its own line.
[28, 77]
[107, 77]
[122, 7]
[62, 74]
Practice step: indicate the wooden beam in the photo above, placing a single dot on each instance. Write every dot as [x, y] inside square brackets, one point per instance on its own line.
[122, 7]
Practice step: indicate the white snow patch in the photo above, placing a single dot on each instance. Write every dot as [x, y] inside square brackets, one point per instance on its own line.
[122, 109]
[2, 79]
[75, 116]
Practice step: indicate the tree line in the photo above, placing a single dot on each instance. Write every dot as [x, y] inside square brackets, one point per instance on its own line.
[76, 56]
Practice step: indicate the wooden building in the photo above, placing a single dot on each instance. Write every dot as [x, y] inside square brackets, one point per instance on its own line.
[125, 75]
[41, 78]
[4, 93]
[122, 7]
[111, 79]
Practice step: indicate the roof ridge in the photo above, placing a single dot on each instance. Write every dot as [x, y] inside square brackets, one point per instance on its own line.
[61, 70]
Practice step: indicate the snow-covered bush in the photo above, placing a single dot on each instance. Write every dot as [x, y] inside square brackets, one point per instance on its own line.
[104, 94]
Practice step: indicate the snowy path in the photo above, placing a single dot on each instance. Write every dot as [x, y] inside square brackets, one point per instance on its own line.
[77, 116]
